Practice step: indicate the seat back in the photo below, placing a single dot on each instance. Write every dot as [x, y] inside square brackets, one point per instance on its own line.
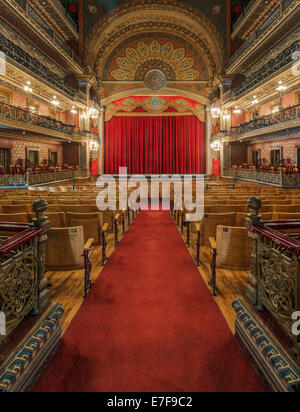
[211, 221]
[65, 248]
[286, 208]
[91, 222]
[233, 248]
[241, 217]
[11, 209]
[228, 208]
[14, 217]
[57, 219]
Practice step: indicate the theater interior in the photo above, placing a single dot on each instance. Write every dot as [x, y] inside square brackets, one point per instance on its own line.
[150, 197]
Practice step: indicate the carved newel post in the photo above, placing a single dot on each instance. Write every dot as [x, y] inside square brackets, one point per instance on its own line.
[254, 218]
[41, 221]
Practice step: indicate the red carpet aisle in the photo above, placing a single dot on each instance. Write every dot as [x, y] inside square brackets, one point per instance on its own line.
[149, 324]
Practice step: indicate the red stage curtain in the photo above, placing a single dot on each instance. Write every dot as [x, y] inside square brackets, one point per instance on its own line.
[155, 145]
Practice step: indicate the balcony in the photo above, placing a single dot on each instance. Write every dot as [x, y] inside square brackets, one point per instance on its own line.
[57, 9]
[285, 122]
[22, 15]
[283, 60]
[23, 58]
[17, 118]
[283, 19]
[250, 9]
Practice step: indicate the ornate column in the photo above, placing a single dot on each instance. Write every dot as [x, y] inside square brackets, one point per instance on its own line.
[254, 218]
[41, 221]
[208, 148]
[101, 137]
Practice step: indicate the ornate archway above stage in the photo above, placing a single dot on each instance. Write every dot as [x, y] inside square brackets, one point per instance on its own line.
[155, 106]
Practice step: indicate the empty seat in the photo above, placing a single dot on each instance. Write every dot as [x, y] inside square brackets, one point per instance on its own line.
[210, 222]
[14, 217]
[228, 208]
[286, 208]
[65, 248]
[9, 209]
[233, 248]
[92, 224]
[57, 219]
[241, 217]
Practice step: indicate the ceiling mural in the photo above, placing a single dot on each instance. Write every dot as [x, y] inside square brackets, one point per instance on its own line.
[140, 61]
[143, 19]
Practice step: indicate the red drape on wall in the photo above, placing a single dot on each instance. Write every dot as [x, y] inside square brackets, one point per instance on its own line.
[155, 145]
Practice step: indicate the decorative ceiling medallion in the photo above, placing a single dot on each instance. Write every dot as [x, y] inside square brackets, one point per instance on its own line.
[155, 55]
[155, 80]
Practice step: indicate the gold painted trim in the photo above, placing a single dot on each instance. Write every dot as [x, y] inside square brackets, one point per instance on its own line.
[168, 114]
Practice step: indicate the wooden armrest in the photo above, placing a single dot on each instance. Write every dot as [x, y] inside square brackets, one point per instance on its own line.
[89, 243]
[117, 216]
[213, 243]
[105, 227]
[197, 226]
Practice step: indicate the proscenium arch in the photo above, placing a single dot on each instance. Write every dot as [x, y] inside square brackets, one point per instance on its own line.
[167, 91]
[142, 17]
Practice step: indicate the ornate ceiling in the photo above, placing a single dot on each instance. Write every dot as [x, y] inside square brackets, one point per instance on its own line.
[136, 62]
[141, 36]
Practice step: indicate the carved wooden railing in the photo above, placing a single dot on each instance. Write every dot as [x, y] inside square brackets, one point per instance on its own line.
[18, 114]
[283, 116]
[23, 285]
[274, 281]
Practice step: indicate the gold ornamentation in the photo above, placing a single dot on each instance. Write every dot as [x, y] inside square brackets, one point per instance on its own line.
[155, 105]
[130, 65]
[18, 284]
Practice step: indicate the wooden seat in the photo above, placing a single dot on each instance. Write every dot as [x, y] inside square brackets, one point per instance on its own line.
[210, 222]
[241, 217]
[229, 208]
[286, 208]
[285, 216]
[79, 208]
[233, 248]
[57, 219]
[10, 209]
[14, 217]
[92, 224]
[64, 249]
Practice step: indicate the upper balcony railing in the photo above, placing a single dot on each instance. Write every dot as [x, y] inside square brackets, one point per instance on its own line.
[260, 30]
[67, 15]
[32, 64]
[243, 14]
[51, 33]
[272, 66]
[17, 114]
[286, 115]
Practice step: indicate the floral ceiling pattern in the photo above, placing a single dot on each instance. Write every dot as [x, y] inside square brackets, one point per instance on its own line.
[137, 62]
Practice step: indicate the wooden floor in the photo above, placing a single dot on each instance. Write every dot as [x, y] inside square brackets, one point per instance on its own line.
[67, 287]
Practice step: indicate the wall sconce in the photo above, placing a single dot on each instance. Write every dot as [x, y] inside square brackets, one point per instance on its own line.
[94, 146]
[237, 111]
[55, 102]
[27, 88]
[93, 113]
[73, 111]
[216, 145]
